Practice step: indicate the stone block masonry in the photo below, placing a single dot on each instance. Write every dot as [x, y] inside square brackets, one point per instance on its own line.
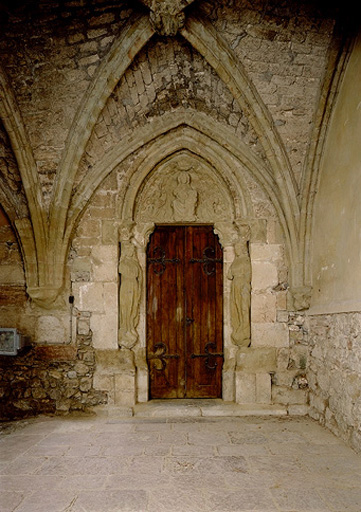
[96, 104]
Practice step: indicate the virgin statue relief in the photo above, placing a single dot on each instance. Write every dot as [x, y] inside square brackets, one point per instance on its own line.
[129, 295]
[240, 273]
[185, 198]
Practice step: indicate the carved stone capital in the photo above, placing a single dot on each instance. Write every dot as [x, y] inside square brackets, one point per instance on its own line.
[227, 233]
[126, 231]
[301, 298]
[167, 16]
[244, 231]
[46, 297]
[142, 232]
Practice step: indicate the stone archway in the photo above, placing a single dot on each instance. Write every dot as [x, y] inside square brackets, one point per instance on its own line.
[182, 189]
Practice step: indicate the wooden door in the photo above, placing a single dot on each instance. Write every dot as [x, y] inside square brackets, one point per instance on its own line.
[185, 312]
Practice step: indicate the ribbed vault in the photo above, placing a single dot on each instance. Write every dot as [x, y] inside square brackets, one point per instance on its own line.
[45, 242]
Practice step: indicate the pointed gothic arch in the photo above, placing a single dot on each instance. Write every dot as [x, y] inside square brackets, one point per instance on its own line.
[276, 171]
[32, 232]
[215, 198]
[134, 36]
[202, 136]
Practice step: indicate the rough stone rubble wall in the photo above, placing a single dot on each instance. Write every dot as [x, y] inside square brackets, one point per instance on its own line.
[334, 374]
[283, 47]
[10, 176]
[50, 379]
[11, 268]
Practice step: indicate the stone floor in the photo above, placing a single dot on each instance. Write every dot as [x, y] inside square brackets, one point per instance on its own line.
[188, 464]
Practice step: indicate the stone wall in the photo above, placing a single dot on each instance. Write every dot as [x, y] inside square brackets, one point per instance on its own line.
[51, 326]
[54, 374]
[93, 264]
[284, 50]
[335, 336]
[79, 114]
[283, 47]
[336, 245]
[11, 269]
[14, 302]
[334, 374]
[271, 371]
[273, 368]
[10, 175]
[46, 379]
[50, 53]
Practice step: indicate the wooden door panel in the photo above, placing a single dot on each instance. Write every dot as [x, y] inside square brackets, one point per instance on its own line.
[164, 313]
[184, 312]
[203, 273]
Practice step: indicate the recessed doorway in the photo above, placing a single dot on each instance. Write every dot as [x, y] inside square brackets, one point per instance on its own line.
[184, 313]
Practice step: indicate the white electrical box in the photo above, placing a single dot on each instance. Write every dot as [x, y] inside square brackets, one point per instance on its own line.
[11, 341]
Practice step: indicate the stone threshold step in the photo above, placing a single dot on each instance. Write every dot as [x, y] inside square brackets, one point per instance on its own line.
[197, 408]
[201, 408]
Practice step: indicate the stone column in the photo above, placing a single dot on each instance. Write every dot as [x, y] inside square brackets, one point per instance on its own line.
[227, 235]
[142, 232]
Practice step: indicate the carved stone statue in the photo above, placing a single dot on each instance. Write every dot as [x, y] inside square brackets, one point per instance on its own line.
[129, 295]
[240, 273]
[185, 202]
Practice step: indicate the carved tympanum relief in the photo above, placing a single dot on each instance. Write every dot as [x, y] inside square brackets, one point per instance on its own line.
[183, 191]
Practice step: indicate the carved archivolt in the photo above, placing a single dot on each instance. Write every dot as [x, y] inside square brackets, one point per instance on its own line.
[183, 191]
[183, 188]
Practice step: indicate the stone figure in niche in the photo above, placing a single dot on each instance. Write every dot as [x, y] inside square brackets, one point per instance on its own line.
[129, 295]
[240, 273]
[186, 197]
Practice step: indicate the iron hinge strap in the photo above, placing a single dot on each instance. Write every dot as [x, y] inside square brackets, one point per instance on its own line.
[208, 355]
[208, 261]
[160, 260]
[212, 354]
[161, 355]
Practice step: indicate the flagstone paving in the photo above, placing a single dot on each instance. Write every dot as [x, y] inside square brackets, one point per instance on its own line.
[95, 464]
